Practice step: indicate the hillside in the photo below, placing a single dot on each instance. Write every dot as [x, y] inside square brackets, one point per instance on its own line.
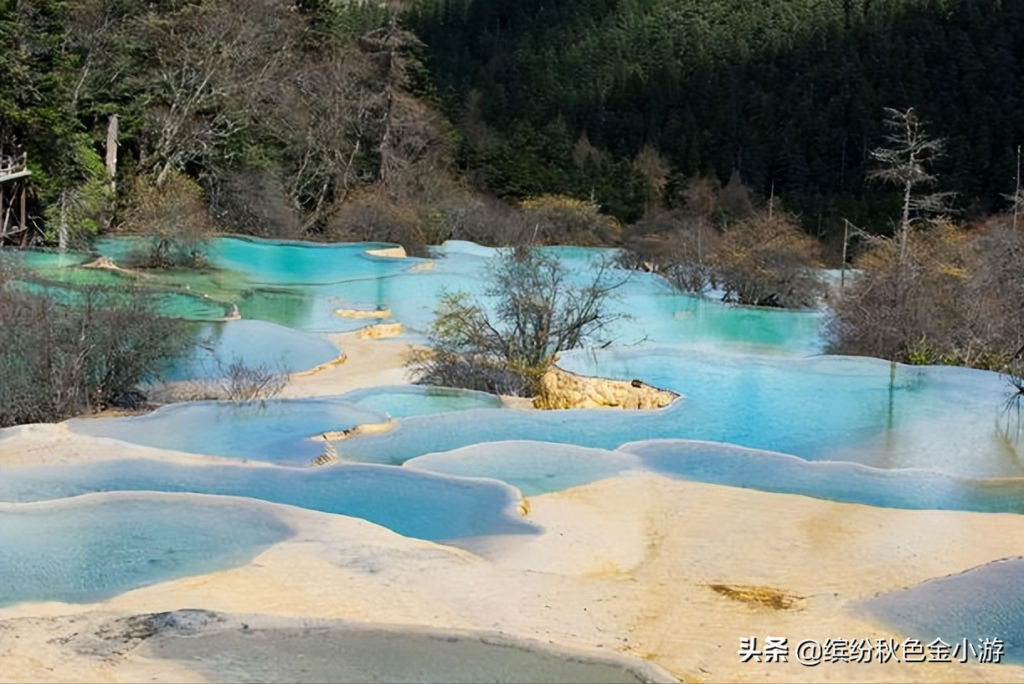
[596, 96]
[320, 119]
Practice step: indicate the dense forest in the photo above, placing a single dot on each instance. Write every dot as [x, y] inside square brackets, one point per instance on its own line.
[284, 117]
[271, 113]
[734, 145]
[584, 97]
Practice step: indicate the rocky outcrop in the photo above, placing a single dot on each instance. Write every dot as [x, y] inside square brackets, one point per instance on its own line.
[561, 389]
[363, 313]
[364, 429]
[389, 252]
[375, 332]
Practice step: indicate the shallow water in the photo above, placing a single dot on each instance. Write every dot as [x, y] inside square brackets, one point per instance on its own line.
[415, 504]
[301, 285]
[84, 550]
[761, 408]
[254, 343]
[532, 467]
[946, 420]
[404, 401]
[984, 603]
[543, 467]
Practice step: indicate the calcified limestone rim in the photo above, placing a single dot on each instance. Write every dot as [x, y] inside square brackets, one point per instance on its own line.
[364, 429]
[105, 263]
[540, 403]
[389, 252]
[333, 363]
[379, 331]
[362, 313]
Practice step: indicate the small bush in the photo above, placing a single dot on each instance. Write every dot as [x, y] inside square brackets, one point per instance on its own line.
[174, 220]
[559, 220]
[535, 313]
[58, 360]
[767, 260]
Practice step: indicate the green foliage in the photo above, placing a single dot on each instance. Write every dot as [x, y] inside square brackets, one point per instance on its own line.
[80, 208]
[790, 93]
[311, 101]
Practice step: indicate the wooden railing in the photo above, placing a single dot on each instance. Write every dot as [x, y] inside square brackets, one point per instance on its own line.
[13, 217]
[13, 167]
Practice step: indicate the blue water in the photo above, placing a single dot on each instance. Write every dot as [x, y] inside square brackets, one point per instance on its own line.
[278, 262]
[278, 431]
[543, 467]
[414, 504]
[984, 603]
[84, 550]
[947, 420]
[761, 408]
[300, 285]
[403, 401]
[254, 343]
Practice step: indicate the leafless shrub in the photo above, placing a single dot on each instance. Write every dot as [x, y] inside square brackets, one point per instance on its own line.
[243, 382]
[484, 220]
[173, 219]
[956, 298]
[375, 219]
[767, 260]
[479, 372]
[536, 312]
[677, 244]
[60, 359]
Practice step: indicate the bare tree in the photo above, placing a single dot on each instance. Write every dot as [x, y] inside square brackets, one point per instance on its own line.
[204, 57]
[1017, 198]
[413, 147]
[903, 162]
[537, 312]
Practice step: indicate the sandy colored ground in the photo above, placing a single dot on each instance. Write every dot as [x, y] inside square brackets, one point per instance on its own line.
[368, 363]
[643, 565]
[625, 565]
[53, 444]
